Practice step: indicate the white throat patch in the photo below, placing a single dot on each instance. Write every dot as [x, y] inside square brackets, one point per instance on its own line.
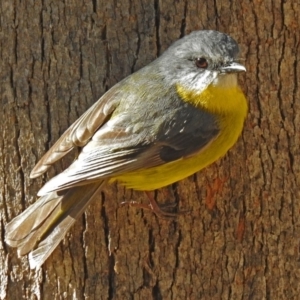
[226, 80]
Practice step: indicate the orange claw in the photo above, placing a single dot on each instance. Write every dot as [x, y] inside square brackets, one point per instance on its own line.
[154, 207]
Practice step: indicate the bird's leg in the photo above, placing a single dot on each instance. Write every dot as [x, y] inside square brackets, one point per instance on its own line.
[153, 206]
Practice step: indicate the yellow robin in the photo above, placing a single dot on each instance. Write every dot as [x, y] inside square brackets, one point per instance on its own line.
[159, 125]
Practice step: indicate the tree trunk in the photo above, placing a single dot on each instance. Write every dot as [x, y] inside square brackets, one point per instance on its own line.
[240, 239]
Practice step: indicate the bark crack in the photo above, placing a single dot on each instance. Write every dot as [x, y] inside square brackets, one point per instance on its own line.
[183, 21]
[157, 26]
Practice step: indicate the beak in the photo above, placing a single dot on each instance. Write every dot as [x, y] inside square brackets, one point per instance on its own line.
[233, 68]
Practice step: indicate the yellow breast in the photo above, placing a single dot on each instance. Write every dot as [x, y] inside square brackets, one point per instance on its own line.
[229, 106]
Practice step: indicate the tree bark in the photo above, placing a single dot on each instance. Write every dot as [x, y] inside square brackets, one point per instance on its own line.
[240, 239]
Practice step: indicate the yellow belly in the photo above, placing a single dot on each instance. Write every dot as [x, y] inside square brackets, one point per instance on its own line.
[230, 108]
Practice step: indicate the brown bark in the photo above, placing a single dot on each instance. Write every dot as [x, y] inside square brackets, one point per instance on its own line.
[241, 238]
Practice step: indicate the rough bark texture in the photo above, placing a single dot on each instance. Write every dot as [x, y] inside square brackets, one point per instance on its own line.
[241, 238]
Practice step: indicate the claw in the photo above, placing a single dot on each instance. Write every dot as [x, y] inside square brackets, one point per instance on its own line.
[159, 210]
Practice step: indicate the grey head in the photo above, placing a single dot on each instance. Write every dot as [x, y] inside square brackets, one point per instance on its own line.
[199, 58]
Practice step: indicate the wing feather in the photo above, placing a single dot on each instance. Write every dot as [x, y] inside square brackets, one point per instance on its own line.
[79, 133]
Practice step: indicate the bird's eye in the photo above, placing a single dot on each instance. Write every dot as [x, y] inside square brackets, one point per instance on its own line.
[201, 62]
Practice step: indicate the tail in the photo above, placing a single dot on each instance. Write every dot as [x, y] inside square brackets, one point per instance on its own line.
[40, 228]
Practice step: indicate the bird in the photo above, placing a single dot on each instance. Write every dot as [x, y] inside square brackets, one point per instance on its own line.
[163, 123]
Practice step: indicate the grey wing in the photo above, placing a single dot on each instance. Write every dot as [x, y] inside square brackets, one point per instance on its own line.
[155, 134]
[80, 132]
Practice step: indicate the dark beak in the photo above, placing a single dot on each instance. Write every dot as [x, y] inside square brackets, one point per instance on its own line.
[233, 68]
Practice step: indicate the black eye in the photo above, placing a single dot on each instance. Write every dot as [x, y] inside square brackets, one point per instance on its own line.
[201, 62]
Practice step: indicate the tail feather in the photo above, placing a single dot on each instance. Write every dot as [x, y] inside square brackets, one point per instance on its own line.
[40, 228]
[22, 227]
